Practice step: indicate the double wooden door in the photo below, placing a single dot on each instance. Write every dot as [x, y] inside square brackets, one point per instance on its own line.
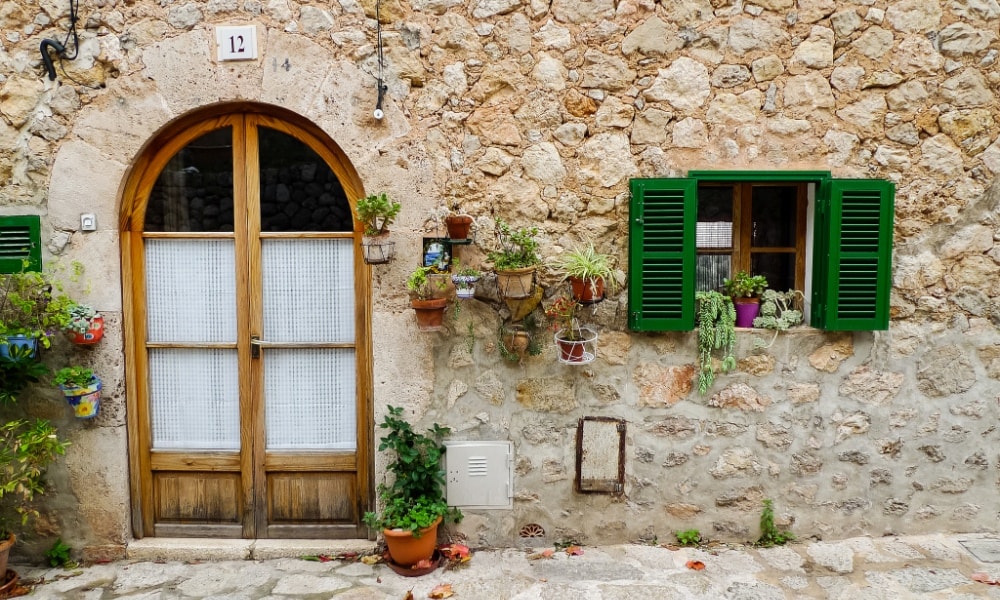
[248, 359]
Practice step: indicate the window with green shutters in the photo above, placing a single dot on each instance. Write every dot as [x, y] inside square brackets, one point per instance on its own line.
[20, 243]
[851, 245]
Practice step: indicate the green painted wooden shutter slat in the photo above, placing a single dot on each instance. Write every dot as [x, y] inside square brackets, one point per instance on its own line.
[20, 241]
[662, 218]
[854, 224]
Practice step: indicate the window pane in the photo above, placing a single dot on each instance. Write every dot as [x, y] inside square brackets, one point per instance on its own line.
[773, 216]
[194, 398]
[194, 192]
[298, 190]
[715, 217]
[778, 268]
[712, 269]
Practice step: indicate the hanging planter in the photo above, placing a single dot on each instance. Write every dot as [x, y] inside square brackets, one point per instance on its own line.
[21, 341]
[377, 212]
[515, 260]
[85, 326]
[587, 291]
[589, 272]
[82, 390]
[422, 284]
[465, 282]
[578, 347]
[459, 227]
[378, 250]
[516, 283]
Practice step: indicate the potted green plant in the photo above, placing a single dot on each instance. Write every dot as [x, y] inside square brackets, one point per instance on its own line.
[465, 279]
[515, 259]
[590, 273]
[81, 388]
[716, 330]
[414, 503]
[779, 311]
[85, 326]
[572, 340]
[745, 290]
[376, 212]
[29, 310]
[423, 287]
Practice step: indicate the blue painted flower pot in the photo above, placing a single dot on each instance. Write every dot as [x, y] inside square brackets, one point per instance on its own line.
[17, 340]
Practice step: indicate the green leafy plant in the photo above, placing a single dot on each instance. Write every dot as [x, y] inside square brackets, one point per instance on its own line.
[75, 376]
[26, 449]
[17, 369]
[422, 286]
[769, 534]
[516, 248]
[688, 537]
[778, 311]
[59, 555]
[377, 212]
[589, 265]
[744, 285]
[716, 330]
[32, 306]
[415, 498]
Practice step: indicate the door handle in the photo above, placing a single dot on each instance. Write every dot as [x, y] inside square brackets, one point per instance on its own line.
[255, 346]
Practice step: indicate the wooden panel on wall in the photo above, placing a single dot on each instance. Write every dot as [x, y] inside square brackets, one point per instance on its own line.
[304, 497]
[197, 497]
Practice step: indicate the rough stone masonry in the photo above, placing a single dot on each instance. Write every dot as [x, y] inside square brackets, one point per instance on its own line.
[541, 111]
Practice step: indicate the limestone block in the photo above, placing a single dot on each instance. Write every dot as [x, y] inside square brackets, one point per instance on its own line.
[281, 12]
[829, 356]
[489, 387]
[816, 52]
[651, 127]
[914, 16]
[845, 22]
[581, 12]
[77, 162]
[847, 78]
[542, 163]
[729, 109]
[606, 72]
[871, 386]
[874, 42]
[804, 463]
[742, 499]
[496, 124]
[683, 511]
[736, 462]
[757, 364]
[867, 115]
[579, 105]
[941, 156]
[495, 162]
[18, 98]
[434, 7]
[553, 36]
[805, 94]
[841, 145]
[675, 459]
[663, 386]
[959, 39]
[969, 128]
[740, 396]
[614, 113]
[684, 84]
[916, 55]
[774, 435]
[985, 10]
[614, 347]
[315, 20]
[801, 393]
[895, 158]
[483, 9]
[605, 160]
[652, 37]
[967, 89]
[881, 79]
[945, 370]
[678, 427]
[454, 32]
[727, 76]
[185, 16]
[550, 73]
[690, 133]
[904, 133]
[549, 394]
[570, 134]
[766, 68]
[991, 157]
[973, 239]
[761, 33]
[854, 424]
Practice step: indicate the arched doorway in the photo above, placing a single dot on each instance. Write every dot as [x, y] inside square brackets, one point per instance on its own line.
[246, 320]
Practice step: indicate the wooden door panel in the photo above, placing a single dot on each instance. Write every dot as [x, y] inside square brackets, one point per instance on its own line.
[198, 497]
[309, 497]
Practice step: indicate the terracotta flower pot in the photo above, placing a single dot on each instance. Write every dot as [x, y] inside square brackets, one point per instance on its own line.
[587, 291]
[516, 283]
[430, 313]
[580, 350]
[406, 550]
[5, 547]
[458, 226]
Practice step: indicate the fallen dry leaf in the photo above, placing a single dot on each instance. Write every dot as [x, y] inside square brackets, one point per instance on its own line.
[409, 595]
[695, 565]
[456, 552]
[984, 578]
[370, 559]
[441, 591]
[423, 563]
[574, 550]
[547, 553]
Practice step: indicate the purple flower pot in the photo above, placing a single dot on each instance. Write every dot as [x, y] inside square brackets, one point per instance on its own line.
[746, 311]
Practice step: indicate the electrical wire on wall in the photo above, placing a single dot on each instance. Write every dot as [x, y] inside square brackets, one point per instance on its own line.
[382, 87]
[60, 48]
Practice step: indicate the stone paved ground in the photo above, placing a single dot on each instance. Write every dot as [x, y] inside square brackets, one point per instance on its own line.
[890, 568]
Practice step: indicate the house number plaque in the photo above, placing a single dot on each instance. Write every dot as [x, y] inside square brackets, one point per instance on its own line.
[237, 42]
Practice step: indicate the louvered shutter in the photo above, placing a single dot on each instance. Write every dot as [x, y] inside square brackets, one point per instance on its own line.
[662, 217]
[20, 243]
[853, 255]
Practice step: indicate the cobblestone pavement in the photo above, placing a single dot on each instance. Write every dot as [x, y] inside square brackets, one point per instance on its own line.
[933, 566]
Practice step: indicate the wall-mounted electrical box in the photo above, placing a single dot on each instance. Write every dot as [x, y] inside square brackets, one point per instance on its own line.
[480, 474]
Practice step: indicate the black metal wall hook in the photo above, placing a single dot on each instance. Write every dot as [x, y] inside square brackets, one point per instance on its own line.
[47, 59]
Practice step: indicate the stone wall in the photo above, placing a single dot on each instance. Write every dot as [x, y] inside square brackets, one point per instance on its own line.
[541, 112]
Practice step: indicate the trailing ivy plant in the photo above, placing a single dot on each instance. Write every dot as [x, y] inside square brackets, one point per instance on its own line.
[778, 311]
[716, 330]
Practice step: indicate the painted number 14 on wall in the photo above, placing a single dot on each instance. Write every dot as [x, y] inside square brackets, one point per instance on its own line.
[236, 43]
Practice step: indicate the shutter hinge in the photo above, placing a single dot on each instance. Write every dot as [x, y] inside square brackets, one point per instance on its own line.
[621, 427]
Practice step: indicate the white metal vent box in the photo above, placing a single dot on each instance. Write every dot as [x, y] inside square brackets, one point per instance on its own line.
[480, 474]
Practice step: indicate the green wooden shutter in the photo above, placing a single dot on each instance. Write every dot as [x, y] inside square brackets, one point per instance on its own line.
[853, 255]
[20, 243]
[662, 217]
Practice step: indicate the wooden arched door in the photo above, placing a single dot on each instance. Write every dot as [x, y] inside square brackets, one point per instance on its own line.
[247, 332]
